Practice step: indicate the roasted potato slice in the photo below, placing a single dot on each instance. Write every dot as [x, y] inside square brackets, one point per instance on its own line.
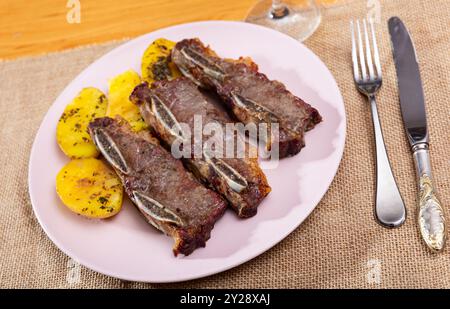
[156, 64]
[90, 188]
[120, 89]
[71, 132]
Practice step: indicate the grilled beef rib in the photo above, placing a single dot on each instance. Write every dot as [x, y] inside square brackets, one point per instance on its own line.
[251, 96]
[167, 105]
[168, 196]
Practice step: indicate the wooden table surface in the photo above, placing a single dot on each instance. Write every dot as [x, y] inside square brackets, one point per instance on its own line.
[40, 26]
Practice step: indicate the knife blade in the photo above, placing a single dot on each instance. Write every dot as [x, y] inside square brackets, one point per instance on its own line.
[412, 101]
[431, 218]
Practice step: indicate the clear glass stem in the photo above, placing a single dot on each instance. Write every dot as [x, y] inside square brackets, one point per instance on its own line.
[279, 9]
[297, 18]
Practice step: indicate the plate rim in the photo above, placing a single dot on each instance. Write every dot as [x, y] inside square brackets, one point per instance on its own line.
[88, 264]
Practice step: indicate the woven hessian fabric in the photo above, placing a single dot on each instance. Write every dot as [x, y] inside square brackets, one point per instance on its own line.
[339, 246]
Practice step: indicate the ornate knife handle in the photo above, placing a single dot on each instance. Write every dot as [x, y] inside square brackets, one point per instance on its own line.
[431, 213]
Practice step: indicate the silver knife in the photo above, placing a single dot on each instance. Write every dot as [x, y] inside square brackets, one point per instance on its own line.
[431, 218]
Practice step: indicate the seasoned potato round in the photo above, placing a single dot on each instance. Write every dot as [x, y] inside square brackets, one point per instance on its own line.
[71, 132]
[155, 63]
[90, 188]
[120, 89]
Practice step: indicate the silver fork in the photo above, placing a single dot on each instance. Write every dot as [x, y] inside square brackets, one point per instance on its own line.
[389, 208]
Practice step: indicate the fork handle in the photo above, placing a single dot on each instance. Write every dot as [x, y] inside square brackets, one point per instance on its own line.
[431, 218]
[389, 208]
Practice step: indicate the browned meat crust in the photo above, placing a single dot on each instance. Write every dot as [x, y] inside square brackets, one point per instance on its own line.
[185, 101]
[250, 95]
[168, 196]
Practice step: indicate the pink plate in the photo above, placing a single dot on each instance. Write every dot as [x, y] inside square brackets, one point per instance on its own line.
[125, 246]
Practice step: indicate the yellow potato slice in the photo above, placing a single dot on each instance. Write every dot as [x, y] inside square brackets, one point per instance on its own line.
[120, 89]
[71, 132]
[90, 188]
[155, 63]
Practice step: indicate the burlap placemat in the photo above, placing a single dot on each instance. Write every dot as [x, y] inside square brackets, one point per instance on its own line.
[339, 245]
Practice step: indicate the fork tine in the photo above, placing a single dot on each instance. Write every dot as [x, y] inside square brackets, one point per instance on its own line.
[368, 51]
[361, 52]
[376, 55]
[354, 53]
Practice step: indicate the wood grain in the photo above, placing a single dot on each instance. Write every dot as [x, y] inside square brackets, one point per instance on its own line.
[40, 26]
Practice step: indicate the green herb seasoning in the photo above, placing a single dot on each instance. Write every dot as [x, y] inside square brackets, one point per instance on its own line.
[160, 69]
[103, 200]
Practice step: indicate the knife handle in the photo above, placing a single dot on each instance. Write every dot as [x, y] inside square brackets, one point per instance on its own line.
[431, 217]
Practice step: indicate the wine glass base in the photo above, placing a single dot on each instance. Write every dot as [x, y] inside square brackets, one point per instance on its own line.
[300, 22]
